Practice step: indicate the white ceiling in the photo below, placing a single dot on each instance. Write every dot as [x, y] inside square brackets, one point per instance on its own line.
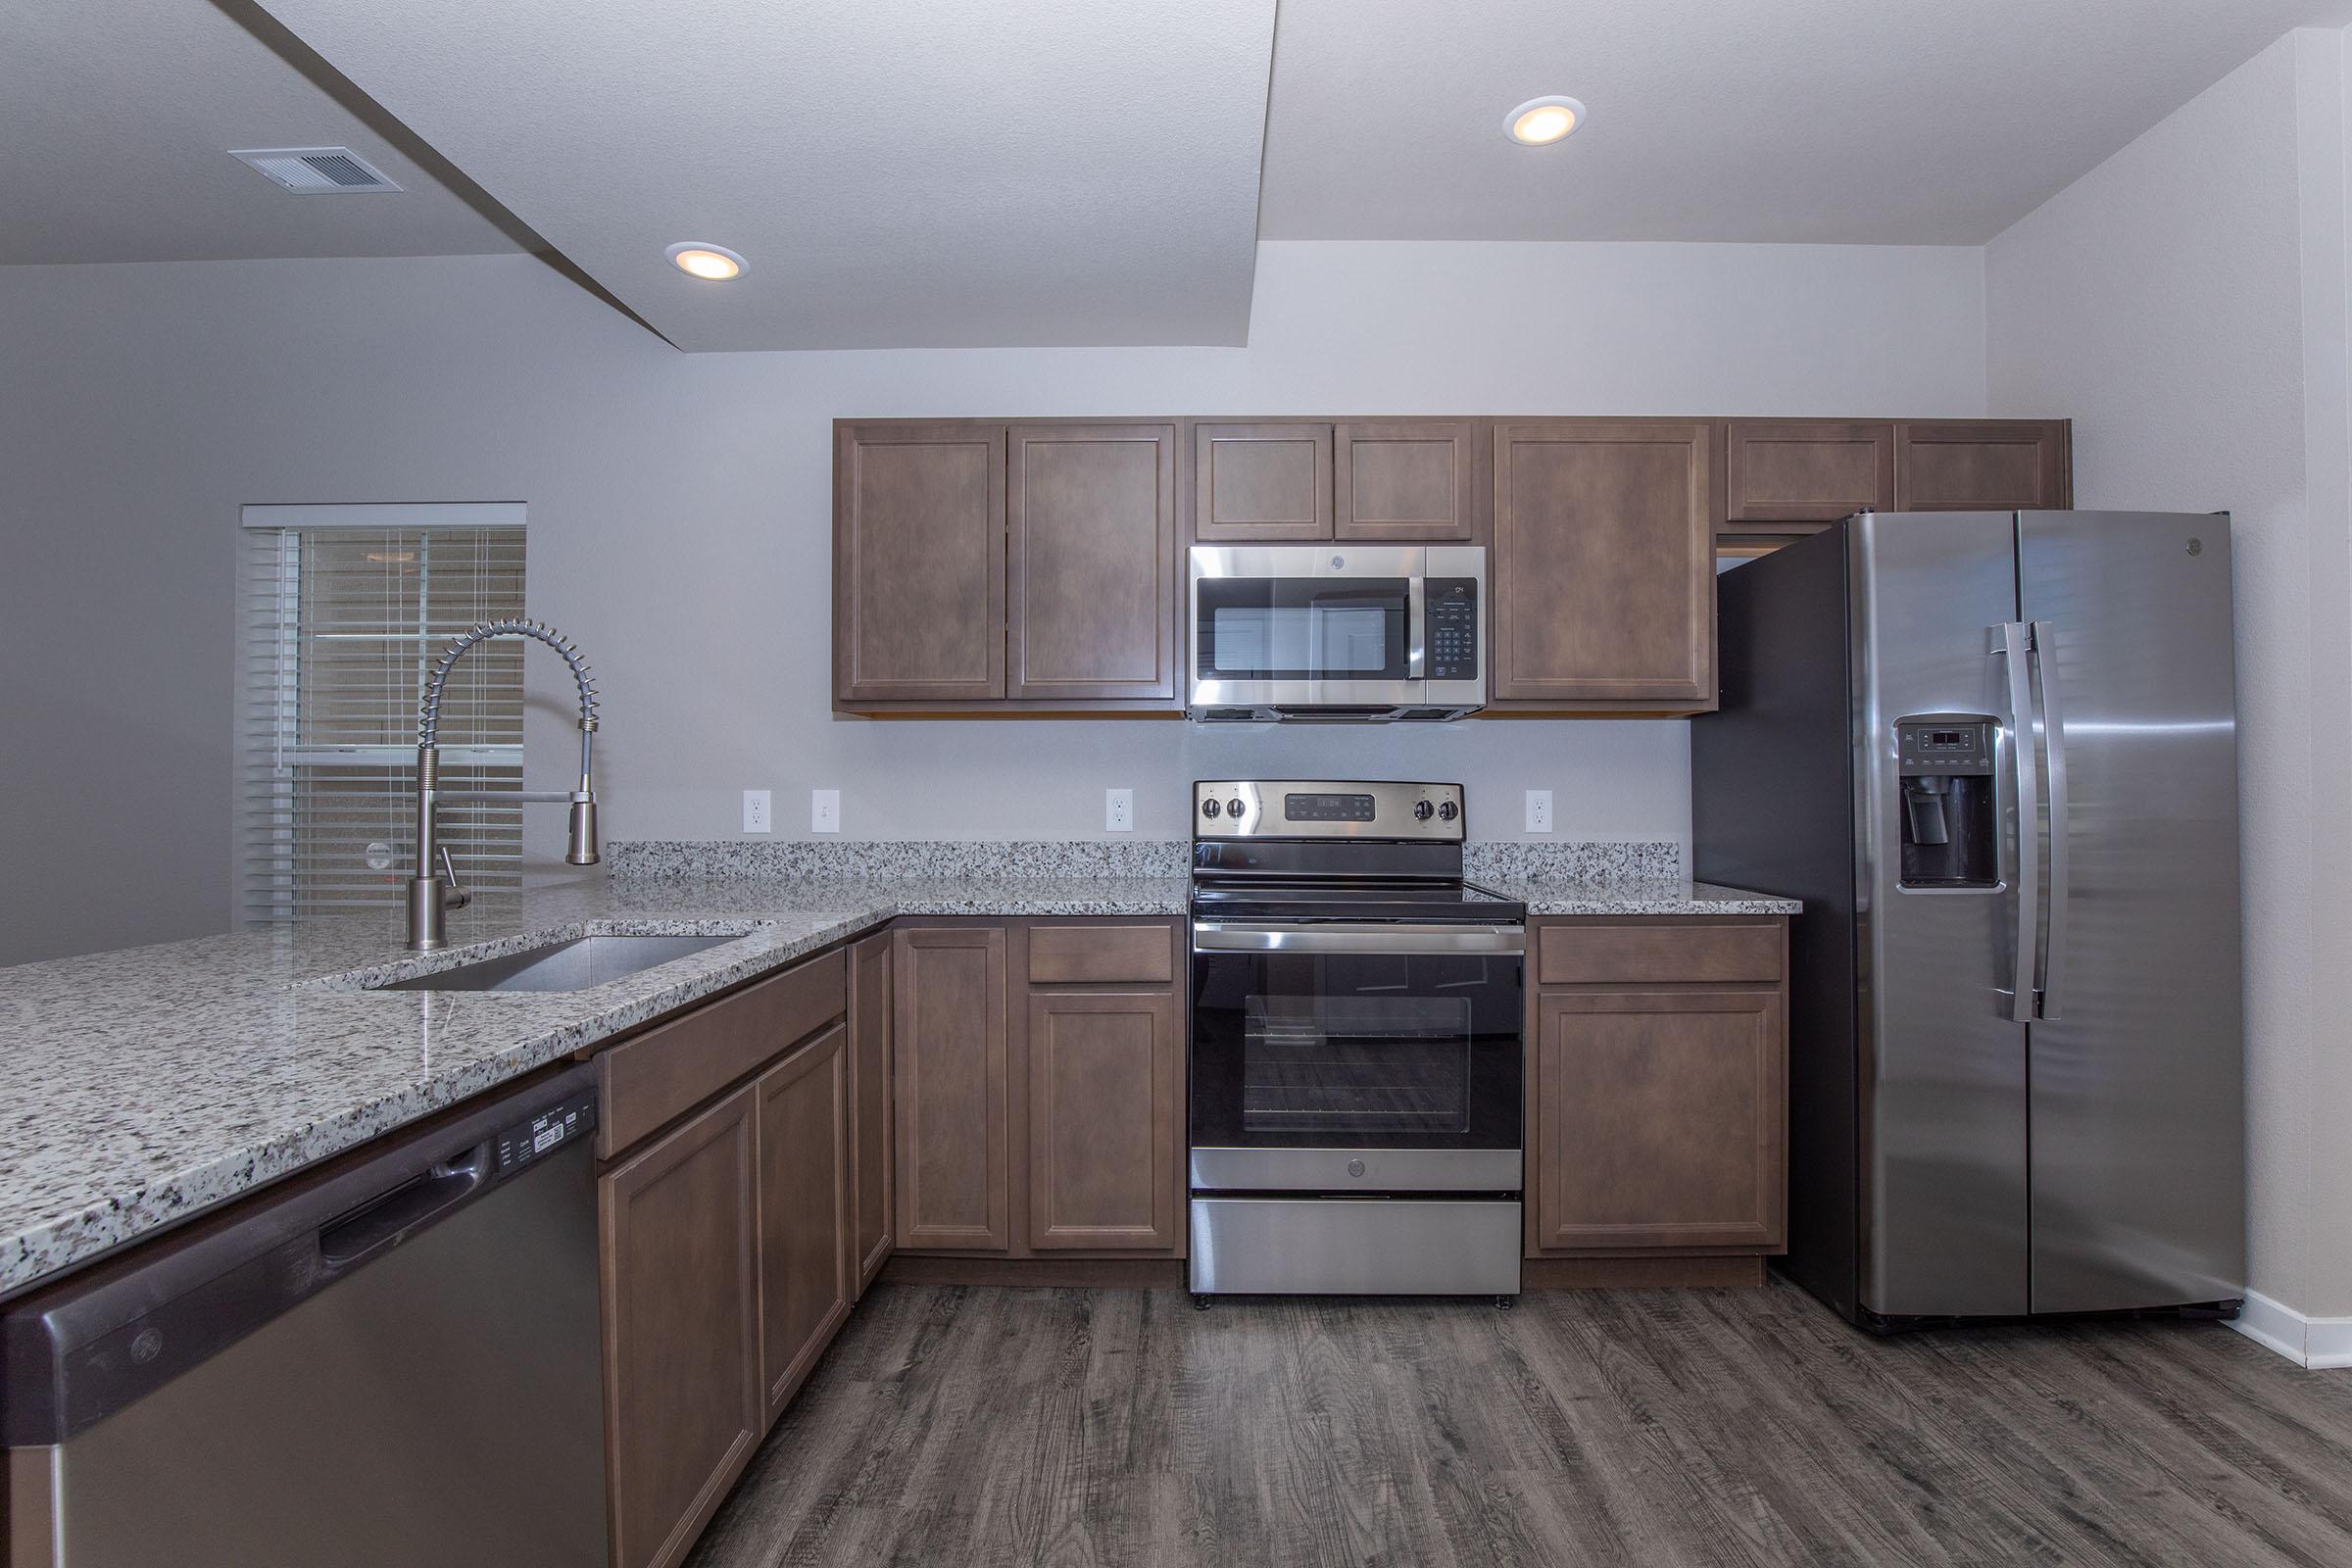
[116, 117]
[898, 172]
[1897, 121]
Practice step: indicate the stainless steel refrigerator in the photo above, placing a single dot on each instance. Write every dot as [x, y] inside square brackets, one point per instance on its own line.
[1996, 755]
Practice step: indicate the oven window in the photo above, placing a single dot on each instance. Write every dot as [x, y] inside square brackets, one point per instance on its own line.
[1303, 628]
[1370, 1050]
[1398, 1064]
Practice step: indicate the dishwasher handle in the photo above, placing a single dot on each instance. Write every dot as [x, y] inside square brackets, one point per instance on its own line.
[383, 1221]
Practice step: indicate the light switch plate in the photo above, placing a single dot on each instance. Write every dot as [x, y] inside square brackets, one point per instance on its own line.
[824, 811]
[1539, 811]
[1118, 810]
[756, 817]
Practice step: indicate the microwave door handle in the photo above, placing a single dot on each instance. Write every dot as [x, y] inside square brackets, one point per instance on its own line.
[2025, 798]
[1416, 626]
[2053, 730]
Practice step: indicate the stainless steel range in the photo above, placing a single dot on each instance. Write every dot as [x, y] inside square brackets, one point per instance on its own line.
[1356, 1052]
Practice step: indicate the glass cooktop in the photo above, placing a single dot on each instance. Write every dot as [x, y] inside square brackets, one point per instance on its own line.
[1463, 903]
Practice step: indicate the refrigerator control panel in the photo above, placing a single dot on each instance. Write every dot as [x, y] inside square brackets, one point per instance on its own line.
[1946, 747]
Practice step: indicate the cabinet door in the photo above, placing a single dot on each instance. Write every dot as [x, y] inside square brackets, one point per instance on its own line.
[682, 1400]
[918, 562]
[1661, 1119]
[870, 1213]
[1261, 482]
[1408, 480]
[1981, 465]
[954, 1129]
[1106, 1120]
[1605, 562]
[805, 1262]
[1810, 472]
[1092, 512]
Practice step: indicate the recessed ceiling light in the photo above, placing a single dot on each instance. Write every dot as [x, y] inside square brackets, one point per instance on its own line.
[714, 262]
[1541, 122]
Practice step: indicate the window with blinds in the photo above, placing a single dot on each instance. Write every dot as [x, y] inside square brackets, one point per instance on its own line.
[342, 622]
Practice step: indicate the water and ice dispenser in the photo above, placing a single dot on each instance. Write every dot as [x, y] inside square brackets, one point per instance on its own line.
[1951, 825]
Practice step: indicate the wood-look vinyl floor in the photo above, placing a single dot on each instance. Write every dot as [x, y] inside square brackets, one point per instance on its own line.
[966, 1426]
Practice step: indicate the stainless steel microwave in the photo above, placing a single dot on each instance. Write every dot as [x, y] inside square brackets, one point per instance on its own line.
[1336, 632]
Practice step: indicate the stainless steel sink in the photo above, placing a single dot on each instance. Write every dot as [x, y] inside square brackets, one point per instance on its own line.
[573, 966]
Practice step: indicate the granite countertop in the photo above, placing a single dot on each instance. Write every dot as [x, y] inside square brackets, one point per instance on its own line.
[148, 1084]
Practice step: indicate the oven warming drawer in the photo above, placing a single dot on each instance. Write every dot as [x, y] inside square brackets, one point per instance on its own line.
[1355, 1247]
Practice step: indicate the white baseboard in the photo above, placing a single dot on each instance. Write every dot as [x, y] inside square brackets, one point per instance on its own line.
[2317, 1342]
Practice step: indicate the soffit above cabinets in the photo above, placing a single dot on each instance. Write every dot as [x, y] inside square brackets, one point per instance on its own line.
[917, 173]
[1802, 121]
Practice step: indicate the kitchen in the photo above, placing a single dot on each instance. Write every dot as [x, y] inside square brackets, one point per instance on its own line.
[217, 409]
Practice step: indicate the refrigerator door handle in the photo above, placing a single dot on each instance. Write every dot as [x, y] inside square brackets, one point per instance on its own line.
[2053, 728]
[2015, 648]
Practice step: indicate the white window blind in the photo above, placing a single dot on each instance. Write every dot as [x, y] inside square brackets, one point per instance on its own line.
[344, 612]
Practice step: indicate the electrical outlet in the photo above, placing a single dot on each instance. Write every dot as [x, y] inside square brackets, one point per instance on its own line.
[1118, 810]
[1539, 811]
[754, 811]
[824, 811]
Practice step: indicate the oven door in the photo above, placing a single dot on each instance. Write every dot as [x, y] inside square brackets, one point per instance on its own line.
[1343, 1058]
[1337, 626]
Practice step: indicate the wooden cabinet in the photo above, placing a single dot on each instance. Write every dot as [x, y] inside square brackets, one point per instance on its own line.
[681, 1287]
[1662, 1118]
[1798, 475]
[1261, 482]
[1657, 1086]
[1983, 465]
[918, 562]
[1407, 480]
[949, 1077]
[1092, 518]
[1605, 565]
[1106, 1120]
[1085, 1157]
[806, 1252]
[871, 1143]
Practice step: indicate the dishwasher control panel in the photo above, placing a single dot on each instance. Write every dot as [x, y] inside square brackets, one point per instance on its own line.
[523, 1142]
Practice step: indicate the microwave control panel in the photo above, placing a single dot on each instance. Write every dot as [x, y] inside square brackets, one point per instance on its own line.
[1451, 607]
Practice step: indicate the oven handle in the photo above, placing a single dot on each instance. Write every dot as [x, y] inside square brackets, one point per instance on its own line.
[1284, 936]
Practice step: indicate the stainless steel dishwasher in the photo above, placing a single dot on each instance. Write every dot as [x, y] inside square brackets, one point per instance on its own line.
[392, 1361]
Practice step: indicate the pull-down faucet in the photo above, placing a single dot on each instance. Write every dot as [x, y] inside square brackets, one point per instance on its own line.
[429, 895]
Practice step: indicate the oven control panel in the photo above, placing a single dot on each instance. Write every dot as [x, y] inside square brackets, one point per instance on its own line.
[1308, 808]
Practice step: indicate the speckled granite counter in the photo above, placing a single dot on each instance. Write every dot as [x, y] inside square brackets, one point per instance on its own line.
[1655, 895]
[148, 1084]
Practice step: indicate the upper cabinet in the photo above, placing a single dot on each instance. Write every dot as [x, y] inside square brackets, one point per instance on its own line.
[1093, 561]
[1810, 473]
[1983, 465]
[1604, 567]
[1265, 483]
[1411, 481]
[918, 562]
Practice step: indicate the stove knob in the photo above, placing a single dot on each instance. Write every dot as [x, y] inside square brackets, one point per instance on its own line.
[1232, 808]
[1422, 810]
[1448, 812]
[1209, 808]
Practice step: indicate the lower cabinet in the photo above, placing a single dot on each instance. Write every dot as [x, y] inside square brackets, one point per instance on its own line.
[1659, 1088]
[1050, 1124]
[1106, 1120]
[807, 1255]
[681, 1289]
[871, 1215]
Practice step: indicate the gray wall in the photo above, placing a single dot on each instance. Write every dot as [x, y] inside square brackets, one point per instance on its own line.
[680, 516]
[2185, 304]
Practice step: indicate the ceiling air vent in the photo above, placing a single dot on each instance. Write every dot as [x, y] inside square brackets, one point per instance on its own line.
[316, 171]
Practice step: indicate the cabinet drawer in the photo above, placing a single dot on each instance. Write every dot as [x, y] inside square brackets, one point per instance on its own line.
[648, 1080]
[1065, 954]
[1573, 952]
